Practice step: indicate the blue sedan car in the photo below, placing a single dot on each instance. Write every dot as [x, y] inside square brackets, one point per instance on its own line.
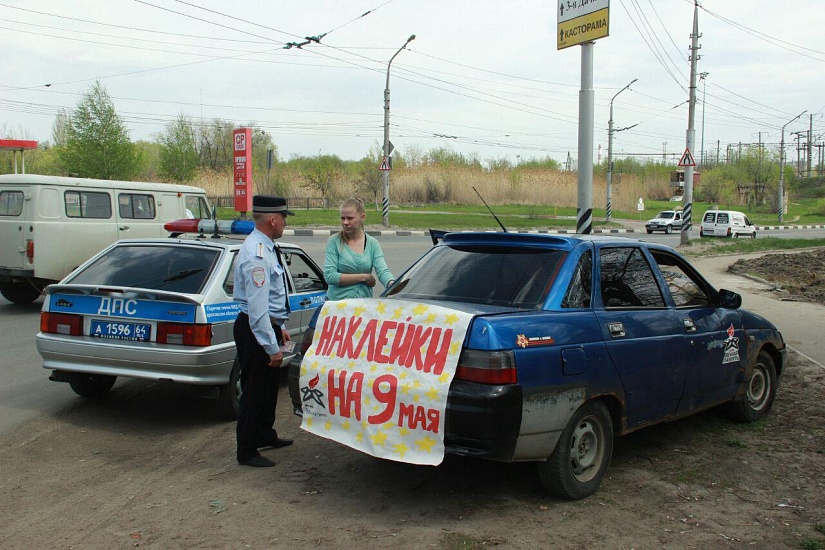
[576, 339]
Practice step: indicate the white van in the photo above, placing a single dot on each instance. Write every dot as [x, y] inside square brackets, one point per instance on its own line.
[49, 225]
[726, 223]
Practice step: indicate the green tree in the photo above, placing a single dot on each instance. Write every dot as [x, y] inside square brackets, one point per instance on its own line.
[320, 173]
[179, 158]
[97, 143]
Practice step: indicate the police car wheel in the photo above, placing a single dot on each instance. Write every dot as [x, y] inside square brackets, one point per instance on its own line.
[582, 455]
[229, 396]
[91, 385]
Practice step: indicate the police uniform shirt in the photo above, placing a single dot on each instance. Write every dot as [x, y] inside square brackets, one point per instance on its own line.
[259, 288]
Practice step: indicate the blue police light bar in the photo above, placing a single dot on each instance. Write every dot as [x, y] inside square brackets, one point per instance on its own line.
[225, 227]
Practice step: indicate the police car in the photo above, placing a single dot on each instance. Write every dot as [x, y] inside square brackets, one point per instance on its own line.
[162, 309]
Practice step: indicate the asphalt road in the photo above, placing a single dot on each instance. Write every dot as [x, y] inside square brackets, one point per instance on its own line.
[26, 392]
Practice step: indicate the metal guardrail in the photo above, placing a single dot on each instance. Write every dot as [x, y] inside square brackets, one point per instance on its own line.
[302, 203]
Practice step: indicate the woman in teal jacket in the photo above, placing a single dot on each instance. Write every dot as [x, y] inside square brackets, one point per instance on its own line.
[352, 256]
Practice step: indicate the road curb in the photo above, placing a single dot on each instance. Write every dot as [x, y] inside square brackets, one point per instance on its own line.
[409, 233]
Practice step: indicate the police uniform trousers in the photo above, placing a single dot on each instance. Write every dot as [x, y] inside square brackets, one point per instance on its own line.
[259, 391]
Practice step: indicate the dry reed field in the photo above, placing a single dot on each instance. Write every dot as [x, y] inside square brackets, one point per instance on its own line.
[454, 185]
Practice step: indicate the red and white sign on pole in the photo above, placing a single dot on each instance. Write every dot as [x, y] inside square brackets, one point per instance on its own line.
[687, 159]
[243, 169]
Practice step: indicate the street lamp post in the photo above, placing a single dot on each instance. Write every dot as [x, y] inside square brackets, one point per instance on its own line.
[782, 167]
[385, 207]
[608, 210]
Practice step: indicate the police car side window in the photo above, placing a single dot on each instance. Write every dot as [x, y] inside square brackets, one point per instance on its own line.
[229, 283]
[304, 276]
[627, 280]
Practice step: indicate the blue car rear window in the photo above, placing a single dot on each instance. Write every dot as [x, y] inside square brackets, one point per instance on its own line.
[172, 268]
[482, 274]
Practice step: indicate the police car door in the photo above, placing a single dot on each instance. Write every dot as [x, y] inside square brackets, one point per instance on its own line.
[308, 289]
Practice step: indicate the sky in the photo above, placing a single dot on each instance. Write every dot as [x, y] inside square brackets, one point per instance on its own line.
[482, 78]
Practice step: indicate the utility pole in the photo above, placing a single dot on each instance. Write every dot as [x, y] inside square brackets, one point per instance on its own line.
[691, 132]
[810, 141]
[702, 77]
[781, 202]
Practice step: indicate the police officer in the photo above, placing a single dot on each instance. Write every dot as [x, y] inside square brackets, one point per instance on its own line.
[260, 290]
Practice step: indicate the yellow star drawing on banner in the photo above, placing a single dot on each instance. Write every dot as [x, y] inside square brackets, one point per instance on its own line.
[416, 384]
[351, 365]
[431, 318]
[416, 398]
[367, 401]
[379, 439]
[345, 426]
[342, 305]
[400, 448]
[359, 311]
[455, 347]
[364, 425]
[420, 309]
[403, 375]
[444, 378]
[425, 444]
[403, 432]
[359, 437]
[327, 425]
[381, 308]
[373, 368]
[432, 393]
[309, 422]
[398, 313]
[451, 318]
[405, 388]
[388, 425]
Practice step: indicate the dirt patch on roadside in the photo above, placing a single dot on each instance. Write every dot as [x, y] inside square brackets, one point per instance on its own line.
[799, 276]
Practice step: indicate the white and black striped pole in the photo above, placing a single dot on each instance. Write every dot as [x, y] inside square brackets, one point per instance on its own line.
[584, 210]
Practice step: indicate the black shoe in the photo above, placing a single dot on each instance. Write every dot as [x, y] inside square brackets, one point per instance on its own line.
[277, 443]
[257, 462]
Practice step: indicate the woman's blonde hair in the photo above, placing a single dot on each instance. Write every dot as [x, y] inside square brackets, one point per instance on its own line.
[358, 205]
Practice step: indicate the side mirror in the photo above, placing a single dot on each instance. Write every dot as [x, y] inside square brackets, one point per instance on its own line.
[729, 299]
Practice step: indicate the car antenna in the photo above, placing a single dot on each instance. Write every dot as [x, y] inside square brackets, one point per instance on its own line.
[491, 210]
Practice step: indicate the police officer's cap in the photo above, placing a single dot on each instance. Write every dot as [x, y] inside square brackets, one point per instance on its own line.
[270, 204]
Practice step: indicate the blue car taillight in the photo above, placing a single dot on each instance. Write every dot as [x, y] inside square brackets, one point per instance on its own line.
[487, 367]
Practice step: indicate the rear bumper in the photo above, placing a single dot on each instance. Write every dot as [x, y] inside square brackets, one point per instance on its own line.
[483, 421]
[191, 365]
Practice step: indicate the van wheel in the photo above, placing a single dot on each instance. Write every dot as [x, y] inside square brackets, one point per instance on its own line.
[577, 466]
[667, 230]
[229, 396]
[735, 235]
[92, 386]
[20, 293]
[753, 235]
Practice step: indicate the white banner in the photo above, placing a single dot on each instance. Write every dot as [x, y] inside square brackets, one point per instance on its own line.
[377, 375]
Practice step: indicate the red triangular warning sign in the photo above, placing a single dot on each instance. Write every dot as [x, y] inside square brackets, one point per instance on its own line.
[687, 159]
[385, 164]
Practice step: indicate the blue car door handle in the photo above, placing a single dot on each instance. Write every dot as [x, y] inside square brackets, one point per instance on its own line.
[689, 326]
[616, 329]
